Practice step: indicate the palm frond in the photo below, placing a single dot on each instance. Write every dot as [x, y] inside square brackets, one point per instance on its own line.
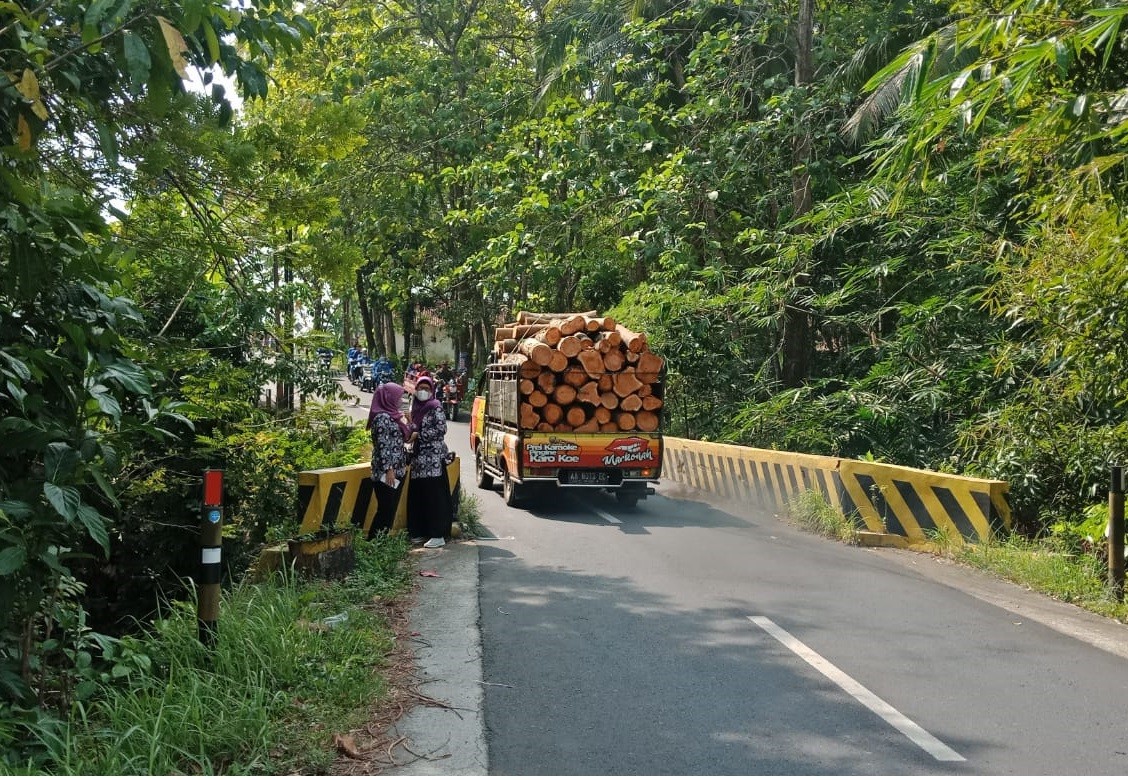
[869, 57]
[902, 80]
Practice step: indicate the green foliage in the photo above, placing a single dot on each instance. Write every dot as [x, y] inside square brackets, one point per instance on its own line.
[1074, 578]
[944, 539]
[81, 80]
[381, 570]
[813, 512]
[264, 466]
[157, 485]
[715, 358]
[267, 700]
[1085, 535]
[1033, 105]
[470, 515]
[71, 399]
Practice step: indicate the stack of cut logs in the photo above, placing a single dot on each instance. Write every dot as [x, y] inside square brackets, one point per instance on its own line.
[581, 373]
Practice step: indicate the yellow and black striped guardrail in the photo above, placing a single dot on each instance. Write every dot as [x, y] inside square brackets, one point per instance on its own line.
[345, 496]
[340, 498]
[895, 500]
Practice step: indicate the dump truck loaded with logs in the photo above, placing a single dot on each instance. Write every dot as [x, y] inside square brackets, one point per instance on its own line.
[571, 400]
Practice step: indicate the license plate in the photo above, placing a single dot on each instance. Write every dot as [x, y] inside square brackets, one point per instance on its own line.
[585, 478]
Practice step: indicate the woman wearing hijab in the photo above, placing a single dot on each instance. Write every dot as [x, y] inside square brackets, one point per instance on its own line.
[389, 430]
[429, 509]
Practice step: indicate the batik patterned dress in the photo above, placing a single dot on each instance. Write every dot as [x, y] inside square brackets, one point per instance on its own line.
[387, 448]
[430, 510]
[388, 452]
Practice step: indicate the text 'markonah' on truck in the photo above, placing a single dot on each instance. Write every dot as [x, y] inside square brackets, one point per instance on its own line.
[572, 400]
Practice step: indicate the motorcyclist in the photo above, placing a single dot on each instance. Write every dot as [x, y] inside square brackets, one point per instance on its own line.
[382, 370]
[358, 365]
[444, 375]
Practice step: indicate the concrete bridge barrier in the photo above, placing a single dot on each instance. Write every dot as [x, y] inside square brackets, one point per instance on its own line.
[329, 497]
[335, 499]
[905, 503]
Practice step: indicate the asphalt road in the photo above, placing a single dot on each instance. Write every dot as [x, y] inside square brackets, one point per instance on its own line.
[679, 638]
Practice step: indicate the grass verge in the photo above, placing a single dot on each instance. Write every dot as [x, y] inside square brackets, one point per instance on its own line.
[1074, 577]
[813, 512]
[1079, 578]
[470, 516]
[295, 664]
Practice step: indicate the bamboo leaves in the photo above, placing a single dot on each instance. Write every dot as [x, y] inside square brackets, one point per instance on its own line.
[1023, 61]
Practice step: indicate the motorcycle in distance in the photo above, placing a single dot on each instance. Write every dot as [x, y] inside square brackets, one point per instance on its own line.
[450, 399]
[381, 375]
[367, 380]
[350, 360]
[325, 358]
[377, 372]
[357, 367]
[375, 375]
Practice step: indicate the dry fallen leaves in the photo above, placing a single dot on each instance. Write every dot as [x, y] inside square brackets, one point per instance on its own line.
[347, 745]
[379, 736]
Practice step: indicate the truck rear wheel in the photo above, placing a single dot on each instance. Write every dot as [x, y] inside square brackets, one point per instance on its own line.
[485, 481]
[509, 491]
[627, 498]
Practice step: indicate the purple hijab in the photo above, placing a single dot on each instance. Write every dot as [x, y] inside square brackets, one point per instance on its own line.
[419, 408]
[386, 400]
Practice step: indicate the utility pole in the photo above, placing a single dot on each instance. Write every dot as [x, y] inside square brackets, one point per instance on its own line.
[1116, 531]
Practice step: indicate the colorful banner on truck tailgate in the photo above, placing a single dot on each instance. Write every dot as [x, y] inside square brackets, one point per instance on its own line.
[591, 450]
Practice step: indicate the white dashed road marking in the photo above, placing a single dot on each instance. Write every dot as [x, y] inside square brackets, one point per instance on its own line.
[609, 518]
[864, 696]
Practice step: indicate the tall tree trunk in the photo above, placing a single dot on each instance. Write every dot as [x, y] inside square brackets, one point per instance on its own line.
[378, 339]
[804, 75]
[289, 277]
[279, 385]
[795, 340]
[408, 329]
[389, 332]
[482, 337]
[318, 305]
[346, 320]
[365, 309]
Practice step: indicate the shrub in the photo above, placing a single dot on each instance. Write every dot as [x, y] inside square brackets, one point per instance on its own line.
[811, 511]
[268, 699]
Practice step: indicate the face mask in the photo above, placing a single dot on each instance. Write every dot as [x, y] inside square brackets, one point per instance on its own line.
[423, 395]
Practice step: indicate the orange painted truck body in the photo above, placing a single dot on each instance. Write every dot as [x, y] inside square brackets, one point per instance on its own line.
[625, 463]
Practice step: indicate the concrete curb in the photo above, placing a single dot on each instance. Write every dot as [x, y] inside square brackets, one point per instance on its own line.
[447, 740]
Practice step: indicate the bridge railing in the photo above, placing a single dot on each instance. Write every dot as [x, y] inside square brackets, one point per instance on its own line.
[336, 498]
[327, 495]
[913, 504]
